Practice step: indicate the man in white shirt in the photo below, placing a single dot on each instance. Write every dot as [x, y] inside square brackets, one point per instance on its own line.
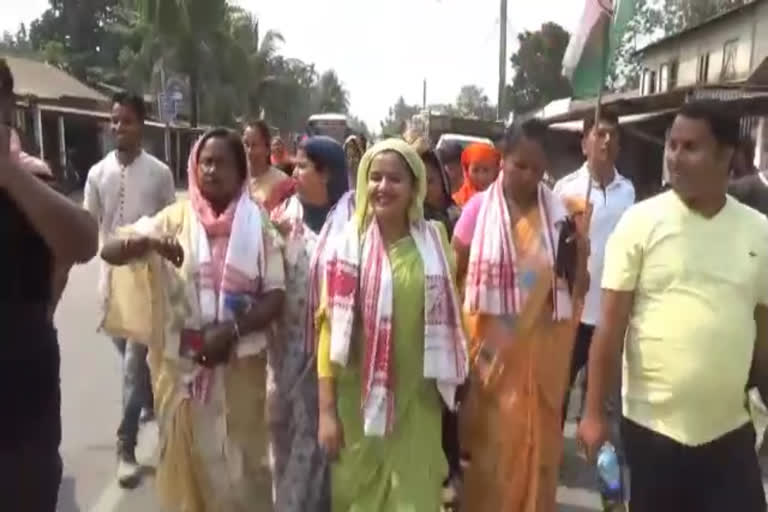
[126, 185]
[611, 195]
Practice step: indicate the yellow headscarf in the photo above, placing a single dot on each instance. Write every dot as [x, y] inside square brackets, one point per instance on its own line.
[402, 148]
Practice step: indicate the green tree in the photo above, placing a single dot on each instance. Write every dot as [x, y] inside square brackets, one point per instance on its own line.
[84, 45]
[473, 102]
[330, 94]
[399, 114]
[624, 71]
[682, 14]
[537, 66]
[288, 98]
[655, 19]
[188, 32]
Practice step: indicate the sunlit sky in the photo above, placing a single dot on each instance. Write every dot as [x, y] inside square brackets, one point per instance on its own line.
[382, 49]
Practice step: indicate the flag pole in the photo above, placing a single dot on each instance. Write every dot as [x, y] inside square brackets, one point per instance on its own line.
[600, 89]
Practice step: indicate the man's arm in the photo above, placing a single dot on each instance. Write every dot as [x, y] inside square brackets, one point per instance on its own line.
[68, 230]
[606, 349]
[621, 274]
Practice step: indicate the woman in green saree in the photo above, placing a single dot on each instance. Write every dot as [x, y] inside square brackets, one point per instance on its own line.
[390, 326]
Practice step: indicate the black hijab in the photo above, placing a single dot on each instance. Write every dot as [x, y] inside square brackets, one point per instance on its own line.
[328, 156]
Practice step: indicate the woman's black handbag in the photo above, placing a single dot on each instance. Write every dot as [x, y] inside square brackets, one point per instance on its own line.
[567, 253]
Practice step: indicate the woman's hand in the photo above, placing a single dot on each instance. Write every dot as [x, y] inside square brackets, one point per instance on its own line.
[218, 340]
[284, 227]
[330, 433]
[169, 248]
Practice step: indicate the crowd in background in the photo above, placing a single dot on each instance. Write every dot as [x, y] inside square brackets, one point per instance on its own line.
[393, 328]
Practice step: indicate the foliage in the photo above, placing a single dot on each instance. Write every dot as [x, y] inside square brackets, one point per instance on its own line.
[330, 95]
[537, 66]
[74, 34]
[655, 19]
[399, 114]
[232, 71]
[472, 102]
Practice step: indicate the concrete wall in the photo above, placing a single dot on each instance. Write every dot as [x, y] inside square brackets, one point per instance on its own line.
[745, 27]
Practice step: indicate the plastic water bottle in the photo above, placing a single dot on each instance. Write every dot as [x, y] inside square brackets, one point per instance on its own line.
[609, 471]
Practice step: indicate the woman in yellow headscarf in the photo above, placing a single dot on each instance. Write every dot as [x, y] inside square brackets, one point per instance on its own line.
[389, 327]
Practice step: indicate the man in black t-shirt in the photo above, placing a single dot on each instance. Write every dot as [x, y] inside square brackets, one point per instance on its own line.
[42, 234]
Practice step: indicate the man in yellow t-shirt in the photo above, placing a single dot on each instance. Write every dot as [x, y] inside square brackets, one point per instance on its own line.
[685, 274]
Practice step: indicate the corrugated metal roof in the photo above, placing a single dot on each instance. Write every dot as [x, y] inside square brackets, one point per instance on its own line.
[576, 126]
[44, 81]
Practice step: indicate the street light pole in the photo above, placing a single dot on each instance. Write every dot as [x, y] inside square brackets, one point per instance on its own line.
[500, 110]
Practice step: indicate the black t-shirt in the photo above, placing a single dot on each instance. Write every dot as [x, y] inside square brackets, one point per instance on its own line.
[752, 191]
[29, 353]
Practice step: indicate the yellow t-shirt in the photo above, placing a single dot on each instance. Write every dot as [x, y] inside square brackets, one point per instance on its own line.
[691, 333]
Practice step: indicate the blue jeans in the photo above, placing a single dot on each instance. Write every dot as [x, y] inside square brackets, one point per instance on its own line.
[137, 390]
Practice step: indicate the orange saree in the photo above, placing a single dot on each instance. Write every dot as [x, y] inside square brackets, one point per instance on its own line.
[511, 418]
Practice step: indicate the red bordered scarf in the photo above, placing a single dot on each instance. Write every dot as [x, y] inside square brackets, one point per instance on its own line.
[369, 292]
[491, 287]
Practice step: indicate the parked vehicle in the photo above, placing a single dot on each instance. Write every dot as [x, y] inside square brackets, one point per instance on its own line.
[331, 125]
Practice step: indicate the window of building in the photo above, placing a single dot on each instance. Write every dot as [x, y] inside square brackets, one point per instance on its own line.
[648, 83]
[664, 78]
[730, 50]
[702, 71]
[673, 67]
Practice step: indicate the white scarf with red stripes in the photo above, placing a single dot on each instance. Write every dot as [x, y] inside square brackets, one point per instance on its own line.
[491, 286]
[359, 279]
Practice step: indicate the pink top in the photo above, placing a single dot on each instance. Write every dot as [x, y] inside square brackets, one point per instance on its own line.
[465, 226]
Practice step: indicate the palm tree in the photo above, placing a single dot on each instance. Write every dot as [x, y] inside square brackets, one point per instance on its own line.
[188, 32]
[252, 58]
[331, 95]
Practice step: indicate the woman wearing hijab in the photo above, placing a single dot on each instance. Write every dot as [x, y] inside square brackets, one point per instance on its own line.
[389, 327]
[525, 265]
[208, 273]
[268, 185]
[307, 220]
[480, 163]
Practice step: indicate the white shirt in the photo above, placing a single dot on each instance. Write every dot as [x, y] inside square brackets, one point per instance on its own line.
[608, 205]
[118, 195]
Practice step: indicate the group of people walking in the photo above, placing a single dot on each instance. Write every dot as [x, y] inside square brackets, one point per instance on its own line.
[381, 324]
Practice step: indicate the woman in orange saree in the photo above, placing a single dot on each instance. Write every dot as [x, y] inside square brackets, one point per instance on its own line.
[525, 274]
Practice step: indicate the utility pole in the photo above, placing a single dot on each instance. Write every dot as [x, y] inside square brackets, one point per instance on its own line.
[500, 110]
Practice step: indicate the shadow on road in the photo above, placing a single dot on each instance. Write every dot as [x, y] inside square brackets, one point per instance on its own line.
[67, 500]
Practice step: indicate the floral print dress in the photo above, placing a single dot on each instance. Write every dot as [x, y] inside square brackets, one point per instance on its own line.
[299, 470]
